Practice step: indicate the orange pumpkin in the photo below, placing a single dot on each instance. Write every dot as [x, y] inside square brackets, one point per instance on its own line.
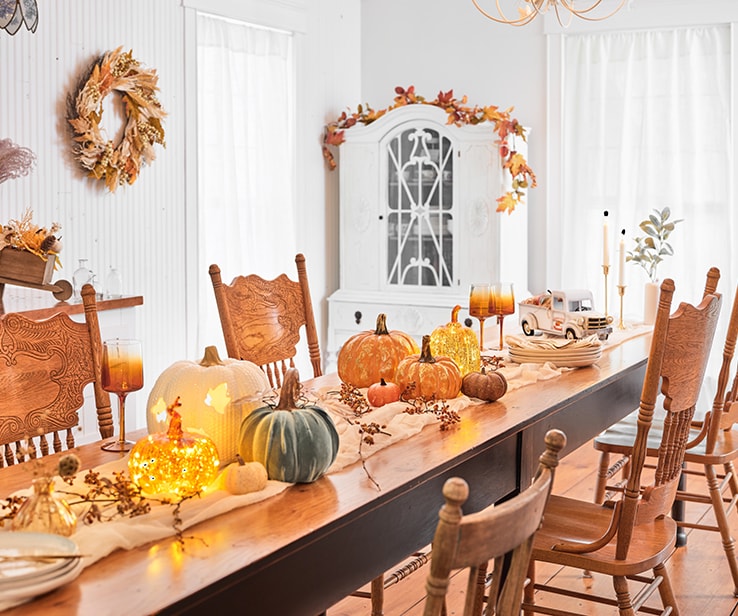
[373, 355]
[383, 393]
[437, 377]
[458, 342]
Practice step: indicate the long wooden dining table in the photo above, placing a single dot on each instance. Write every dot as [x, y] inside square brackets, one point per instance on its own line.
[301, 551]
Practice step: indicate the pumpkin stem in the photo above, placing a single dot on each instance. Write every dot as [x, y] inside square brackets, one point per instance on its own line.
[382, 382]
[290, 391]
[175, 432]
[211, 357]
[381, 325]
[239, 459]
[425, 352]
[455, 313]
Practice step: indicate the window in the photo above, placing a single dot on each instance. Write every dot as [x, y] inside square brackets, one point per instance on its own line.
[245, 119]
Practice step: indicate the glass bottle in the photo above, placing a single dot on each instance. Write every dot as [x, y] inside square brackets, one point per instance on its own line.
[81, 276]
[43, 512]
[113, 283]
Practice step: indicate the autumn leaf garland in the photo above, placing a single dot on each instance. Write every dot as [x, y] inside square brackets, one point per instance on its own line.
[459, 114]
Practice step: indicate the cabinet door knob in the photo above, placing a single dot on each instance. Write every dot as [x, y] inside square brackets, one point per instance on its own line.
[357, 316]
[468, 322]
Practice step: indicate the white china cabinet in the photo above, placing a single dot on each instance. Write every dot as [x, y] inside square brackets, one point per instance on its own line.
[418, 223]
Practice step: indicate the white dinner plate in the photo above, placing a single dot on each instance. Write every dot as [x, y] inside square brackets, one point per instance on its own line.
[18, 573]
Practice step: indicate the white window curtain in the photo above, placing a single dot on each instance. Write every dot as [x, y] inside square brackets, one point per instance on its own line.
[646, 123]
[245, 84]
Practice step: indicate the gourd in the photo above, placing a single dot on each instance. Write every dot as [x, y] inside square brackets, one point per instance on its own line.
[489, 386]
[216, 395]
[437, 377]
[372, 355]
[383, 393]
[457, 342]
[173, 462]
[244, 477]
[295, 443]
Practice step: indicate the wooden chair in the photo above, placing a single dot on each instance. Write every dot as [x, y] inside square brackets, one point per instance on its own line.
[711, 451]
[502, 533]
[44, 368]
[632, 536]
[261, 320]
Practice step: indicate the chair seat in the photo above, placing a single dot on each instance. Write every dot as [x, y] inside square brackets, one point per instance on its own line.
[620, 437]
[572, 520]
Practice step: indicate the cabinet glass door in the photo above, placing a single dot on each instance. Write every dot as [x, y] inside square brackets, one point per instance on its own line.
[420, 209]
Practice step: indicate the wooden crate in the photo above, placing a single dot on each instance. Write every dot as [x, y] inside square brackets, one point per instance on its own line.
[25, 266]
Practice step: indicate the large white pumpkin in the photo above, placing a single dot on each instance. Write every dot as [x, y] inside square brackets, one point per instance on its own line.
[216, 395]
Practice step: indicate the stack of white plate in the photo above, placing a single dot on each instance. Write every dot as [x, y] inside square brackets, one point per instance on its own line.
[34, 563]
[561, 352]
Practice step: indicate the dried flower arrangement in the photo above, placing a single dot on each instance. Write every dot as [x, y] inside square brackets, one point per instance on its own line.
[24, 234]
[459, 114]
[116, 165]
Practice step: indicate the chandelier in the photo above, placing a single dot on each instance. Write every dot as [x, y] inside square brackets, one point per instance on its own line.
[522, 12]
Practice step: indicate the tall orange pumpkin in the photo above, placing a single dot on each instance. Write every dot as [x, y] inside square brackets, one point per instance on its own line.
[373, 355]
[439, 377]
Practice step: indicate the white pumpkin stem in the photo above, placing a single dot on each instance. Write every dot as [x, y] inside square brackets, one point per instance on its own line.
[290, 391]
[240, 460]
[211, 357]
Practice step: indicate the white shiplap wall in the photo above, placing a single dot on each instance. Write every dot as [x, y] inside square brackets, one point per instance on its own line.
[140, 228]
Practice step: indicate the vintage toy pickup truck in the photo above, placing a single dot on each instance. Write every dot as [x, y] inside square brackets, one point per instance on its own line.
[563, 313]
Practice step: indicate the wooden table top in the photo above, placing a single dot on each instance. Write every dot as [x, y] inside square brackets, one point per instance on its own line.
[339, 532]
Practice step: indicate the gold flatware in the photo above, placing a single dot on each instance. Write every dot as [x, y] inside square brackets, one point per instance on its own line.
[39, 557]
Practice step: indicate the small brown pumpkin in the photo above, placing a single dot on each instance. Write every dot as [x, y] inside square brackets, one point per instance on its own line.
[489, 386]
[383, 393]
[369, 356]
[437, 377]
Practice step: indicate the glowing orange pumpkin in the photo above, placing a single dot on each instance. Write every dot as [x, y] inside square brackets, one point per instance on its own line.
[437, 377]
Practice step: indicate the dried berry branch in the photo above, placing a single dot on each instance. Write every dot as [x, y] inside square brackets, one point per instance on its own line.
[421, 404]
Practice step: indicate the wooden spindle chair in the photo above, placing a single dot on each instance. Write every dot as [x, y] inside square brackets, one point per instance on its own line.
[44, 368]
[500, 533]
[633, 535]
[261, 320]
[710, 454]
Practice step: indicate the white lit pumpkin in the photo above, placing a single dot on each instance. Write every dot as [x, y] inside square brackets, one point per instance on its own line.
[216, 396]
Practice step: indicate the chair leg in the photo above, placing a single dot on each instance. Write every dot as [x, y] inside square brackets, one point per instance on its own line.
[713, 485]
[733, 481]
[625, 603]
[529, 589]
[377, 587]
[601, 484]
[666, 592]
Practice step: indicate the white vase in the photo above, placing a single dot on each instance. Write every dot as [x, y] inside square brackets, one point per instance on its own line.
[650, 302]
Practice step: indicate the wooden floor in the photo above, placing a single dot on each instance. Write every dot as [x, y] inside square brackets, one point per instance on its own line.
[698, 571]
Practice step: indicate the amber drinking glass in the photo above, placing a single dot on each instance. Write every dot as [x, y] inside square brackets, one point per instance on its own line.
[122, 373]
[481, 306]
[504, 303]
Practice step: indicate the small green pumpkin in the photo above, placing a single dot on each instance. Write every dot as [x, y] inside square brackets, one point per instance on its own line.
[295, 443]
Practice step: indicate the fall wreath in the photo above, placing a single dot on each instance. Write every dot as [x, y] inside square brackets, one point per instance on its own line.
[119, 164]
[459, 114]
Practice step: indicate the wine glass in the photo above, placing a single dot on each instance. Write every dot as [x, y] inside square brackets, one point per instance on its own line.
[504, 303]
[122, 373]
[480, 300]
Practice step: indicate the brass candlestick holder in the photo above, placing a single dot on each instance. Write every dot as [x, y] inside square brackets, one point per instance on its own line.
[621, 292]
[606, 271]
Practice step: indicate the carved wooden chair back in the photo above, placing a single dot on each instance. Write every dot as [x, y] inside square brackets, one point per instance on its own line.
[44, 368]
[502, 533]
[680, 348]
[261, 320]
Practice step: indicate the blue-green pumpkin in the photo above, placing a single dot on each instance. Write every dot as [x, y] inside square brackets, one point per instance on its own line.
[295, 443]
